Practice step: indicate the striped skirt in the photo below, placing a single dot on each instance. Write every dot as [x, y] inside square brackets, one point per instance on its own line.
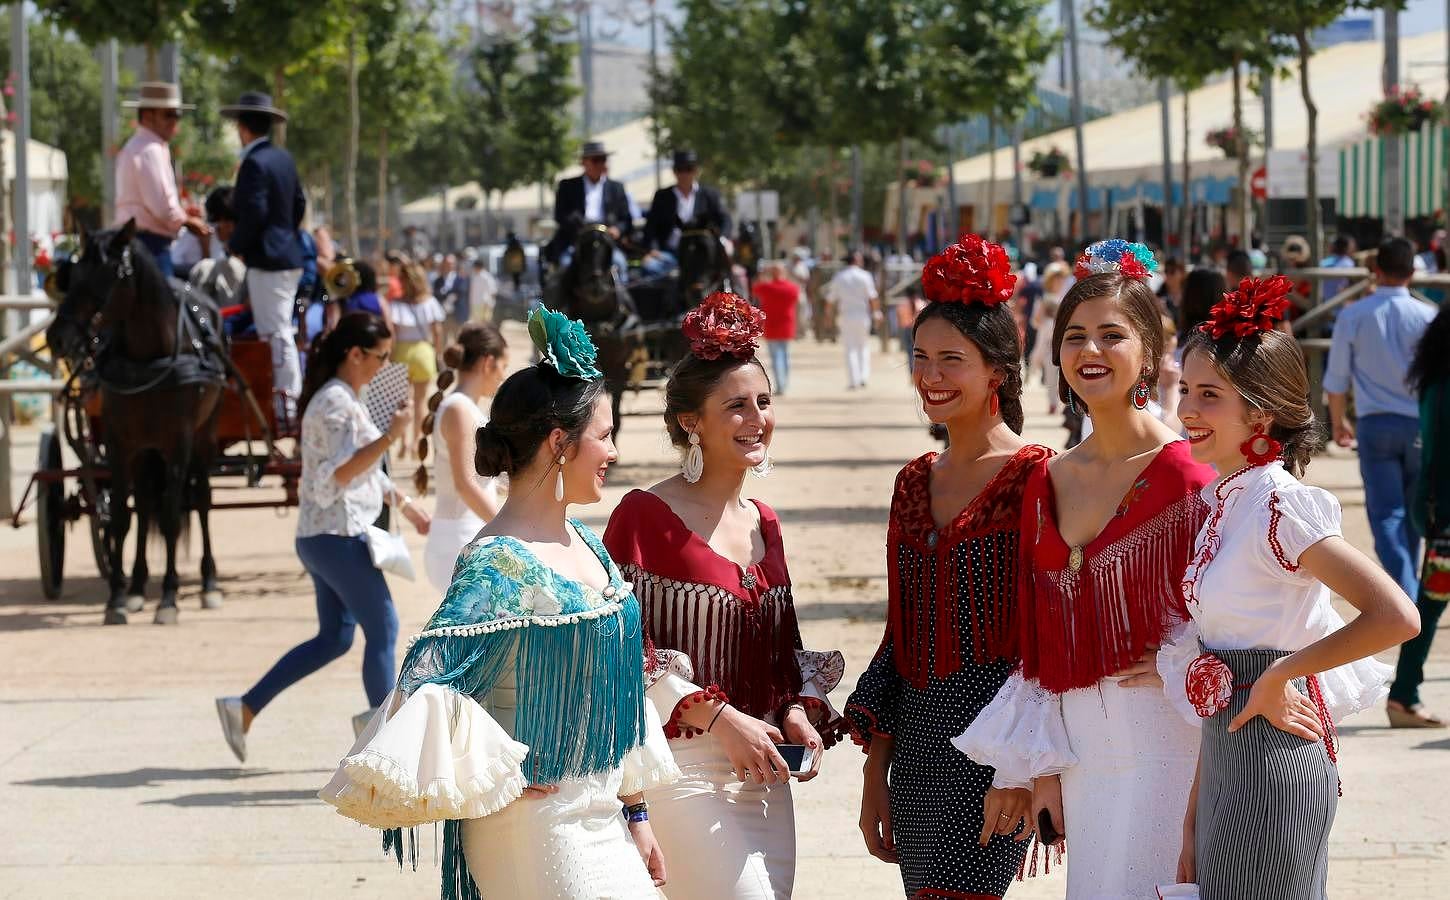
[1266, 801]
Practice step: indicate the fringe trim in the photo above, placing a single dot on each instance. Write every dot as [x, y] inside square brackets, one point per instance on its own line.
[514, 623]
[676, 727]
[1029, 870]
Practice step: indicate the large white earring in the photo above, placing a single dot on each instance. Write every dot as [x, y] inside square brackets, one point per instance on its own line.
[764, 469]
[559, 481]
[694, 465]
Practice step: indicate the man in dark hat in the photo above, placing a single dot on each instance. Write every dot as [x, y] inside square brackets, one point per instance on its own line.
[269, 205]
[591, 198]
[687, 205]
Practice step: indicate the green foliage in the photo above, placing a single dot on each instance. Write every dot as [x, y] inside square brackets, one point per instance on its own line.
[264, 37]
[542, 125]
[497, 164]
[1170, 39]
[145, 22]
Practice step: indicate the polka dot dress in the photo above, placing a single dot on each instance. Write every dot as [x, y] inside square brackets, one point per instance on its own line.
[937, 791]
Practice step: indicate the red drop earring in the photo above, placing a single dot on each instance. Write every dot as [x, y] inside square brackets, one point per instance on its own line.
[1141, 392]
[1260, 449]
[994, 404]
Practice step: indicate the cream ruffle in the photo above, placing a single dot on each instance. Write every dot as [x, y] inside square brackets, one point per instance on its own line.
[431, 756]
[1179, 650]
[1354, 687]
[651, 764]
[1020, 734]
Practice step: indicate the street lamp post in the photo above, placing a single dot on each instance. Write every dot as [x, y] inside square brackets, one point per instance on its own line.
[1070, 11]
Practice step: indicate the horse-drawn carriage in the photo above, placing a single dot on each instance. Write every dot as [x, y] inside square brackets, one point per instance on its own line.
[635, 323]
[156, 405]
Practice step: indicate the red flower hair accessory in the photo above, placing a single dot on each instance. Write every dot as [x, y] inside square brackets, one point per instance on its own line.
[972, 270]
[1209, 685]
[1257, 305]
[724, 324]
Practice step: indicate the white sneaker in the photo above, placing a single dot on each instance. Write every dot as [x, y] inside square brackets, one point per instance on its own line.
[229, 710]
[361, 720]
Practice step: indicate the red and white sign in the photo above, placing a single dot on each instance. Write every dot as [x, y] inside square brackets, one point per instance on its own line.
[1259, 183]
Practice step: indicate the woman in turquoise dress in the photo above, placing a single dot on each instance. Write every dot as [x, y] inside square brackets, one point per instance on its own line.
[519, 718]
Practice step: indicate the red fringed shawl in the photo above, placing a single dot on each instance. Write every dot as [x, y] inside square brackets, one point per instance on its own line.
[1080, 626]
[953, 591]
[692, 600]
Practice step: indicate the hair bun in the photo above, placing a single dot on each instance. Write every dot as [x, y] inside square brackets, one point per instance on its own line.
[493, 453]
[453, 356]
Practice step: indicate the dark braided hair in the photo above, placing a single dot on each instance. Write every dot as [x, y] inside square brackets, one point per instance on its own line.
[475, 341]
[994, 331]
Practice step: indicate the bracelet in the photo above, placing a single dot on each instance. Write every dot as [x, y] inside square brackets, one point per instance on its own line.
[636, 812]
[406, 502]
[722, 708]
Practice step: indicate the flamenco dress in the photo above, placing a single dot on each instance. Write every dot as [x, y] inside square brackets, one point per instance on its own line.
[946, 653]
[522, 676]
[1126, 757]
[719, 632]
[1266, 798]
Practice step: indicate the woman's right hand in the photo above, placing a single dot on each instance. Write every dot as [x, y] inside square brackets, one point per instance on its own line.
[1187, 872]
[749, 744]
[1047, 794]
[876, 816]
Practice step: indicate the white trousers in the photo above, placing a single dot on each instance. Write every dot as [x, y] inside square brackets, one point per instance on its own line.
[856, 338]
[273, 296]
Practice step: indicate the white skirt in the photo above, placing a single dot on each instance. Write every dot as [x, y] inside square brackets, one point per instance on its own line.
[722, 839]
[572, 845]
[1123, 802]
[446, 539]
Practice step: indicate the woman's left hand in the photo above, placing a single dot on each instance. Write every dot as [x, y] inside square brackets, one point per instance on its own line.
[798, 729]
[1004, 811]
[1143, 673]
[419, 517]
[1275, 698]
[649, 850]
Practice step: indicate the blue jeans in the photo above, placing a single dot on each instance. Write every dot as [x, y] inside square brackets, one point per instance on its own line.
[350, 592]
[780, 364]
[1389, 464]
[660, 265]
[160, 247]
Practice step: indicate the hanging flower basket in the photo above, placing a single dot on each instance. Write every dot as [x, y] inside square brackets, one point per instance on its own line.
[1049, 164]
[1226, 139]
[922, 173]
[1403, 111]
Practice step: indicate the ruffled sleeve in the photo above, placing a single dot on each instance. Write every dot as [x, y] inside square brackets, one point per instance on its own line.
[1020, 734]
[871, 708]
[1180, 648]
[1299, 517]
[671, 690]
[429, 757]
[651, 764]
[1354, 686]
[821, 671]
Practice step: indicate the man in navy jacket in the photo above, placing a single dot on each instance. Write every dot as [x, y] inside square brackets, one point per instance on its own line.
[269, 204]
[591, 198]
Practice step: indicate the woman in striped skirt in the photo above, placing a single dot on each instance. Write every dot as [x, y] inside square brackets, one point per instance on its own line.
[1271, 665]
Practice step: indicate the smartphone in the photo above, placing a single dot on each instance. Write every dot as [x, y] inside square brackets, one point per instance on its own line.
[1045, 830]
[798, 759]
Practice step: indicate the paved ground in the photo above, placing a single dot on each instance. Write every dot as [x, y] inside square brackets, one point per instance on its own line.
[116, 783]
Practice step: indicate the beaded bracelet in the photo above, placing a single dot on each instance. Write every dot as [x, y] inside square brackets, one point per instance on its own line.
[637, 812]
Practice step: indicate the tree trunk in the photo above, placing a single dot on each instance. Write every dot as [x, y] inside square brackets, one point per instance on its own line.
[1167, 218]
[833, 214]
[349, 175]
[279, 89]
[990, 230]
[153, 69]
[1186, 212]
[950, 220]
[901, 195]
[382, 188]
[1241, 145]
[1311, 146]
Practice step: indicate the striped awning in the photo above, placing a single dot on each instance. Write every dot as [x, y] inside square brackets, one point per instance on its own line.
[1423, 161]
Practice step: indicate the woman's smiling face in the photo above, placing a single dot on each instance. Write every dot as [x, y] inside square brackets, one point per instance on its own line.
[1101, 354]
[951, 375]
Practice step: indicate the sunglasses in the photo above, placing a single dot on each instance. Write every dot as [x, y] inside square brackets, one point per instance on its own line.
[171, 114]
[596, 159]
[376, 354]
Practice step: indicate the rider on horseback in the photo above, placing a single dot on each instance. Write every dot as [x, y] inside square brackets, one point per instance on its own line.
[686, 205]
[591, 198]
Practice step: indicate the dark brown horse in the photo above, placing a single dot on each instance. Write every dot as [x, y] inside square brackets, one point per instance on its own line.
[160, 372]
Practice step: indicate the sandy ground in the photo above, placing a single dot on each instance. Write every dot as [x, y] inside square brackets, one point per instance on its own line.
[115, 780]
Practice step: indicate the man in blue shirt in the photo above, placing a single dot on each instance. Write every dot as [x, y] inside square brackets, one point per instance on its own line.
[1374, 341]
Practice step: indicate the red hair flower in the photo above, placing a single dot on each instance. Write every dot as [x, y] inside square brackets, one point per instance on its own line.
[970, 271]
[724, 324]
[1257, 305]
[1209, 685]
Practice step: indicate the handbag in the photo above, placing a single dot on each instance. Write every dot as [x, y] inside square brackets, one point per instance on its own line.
[388, 551]
[1435, 572]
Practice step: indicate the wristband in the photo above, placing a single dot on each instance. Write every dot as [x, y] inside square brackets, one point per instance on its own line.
[722, 708]
[636, 812]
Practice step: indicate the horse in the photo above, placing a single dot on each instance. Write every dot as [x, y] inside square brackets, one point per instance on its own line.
[160, 370]
[704, 268]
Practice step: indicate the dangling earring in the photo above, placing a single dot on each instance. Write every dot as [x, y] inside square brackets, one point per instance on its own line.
[694, 465]
[1071, 404]
[559, 481]
[1141, 392]
[1260, 449]
[994, 404]
[764, 469]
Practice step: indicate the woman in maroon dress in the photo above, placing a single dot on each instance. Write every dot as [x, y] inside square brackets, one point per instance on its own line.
[730, 678]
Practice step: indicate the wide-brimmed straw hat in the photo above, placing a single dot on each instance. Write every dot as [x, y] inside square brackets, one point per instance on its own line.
[253, 102]
[157, 95]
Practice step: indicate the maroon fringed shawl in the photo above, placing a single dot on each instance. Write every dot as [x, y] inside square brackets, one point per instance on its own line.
[1080, 626]
[692, 600]
[953, 591]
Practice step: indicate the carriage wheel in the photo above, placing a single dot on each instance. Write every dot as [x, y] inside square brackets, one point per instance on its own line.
[50, 518]
[100, 521]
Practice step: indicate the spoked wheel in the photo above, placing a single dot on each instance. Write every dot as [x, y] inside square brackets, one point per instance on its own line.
[100, 522]
[50, 519]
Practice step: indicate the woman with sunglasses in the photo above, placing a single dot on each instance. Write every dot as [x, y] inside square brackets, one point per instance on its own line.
[342, 490]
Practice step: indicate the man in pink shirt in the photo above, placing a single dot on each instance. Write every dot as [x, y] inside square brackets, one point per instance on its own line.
[145, 177]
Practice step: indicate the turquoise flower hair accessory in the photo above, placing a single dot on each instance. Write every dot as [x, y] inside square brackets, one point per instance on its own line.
[564, 344]
[1116, 255]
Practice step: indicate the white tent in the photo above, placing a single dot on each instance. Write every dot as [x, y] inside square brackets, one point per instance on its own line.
[47, 186]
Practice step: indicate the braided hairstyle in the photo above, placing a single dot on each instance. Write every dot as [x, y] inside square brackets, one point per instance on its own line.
[476, 341]
[994, 331]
